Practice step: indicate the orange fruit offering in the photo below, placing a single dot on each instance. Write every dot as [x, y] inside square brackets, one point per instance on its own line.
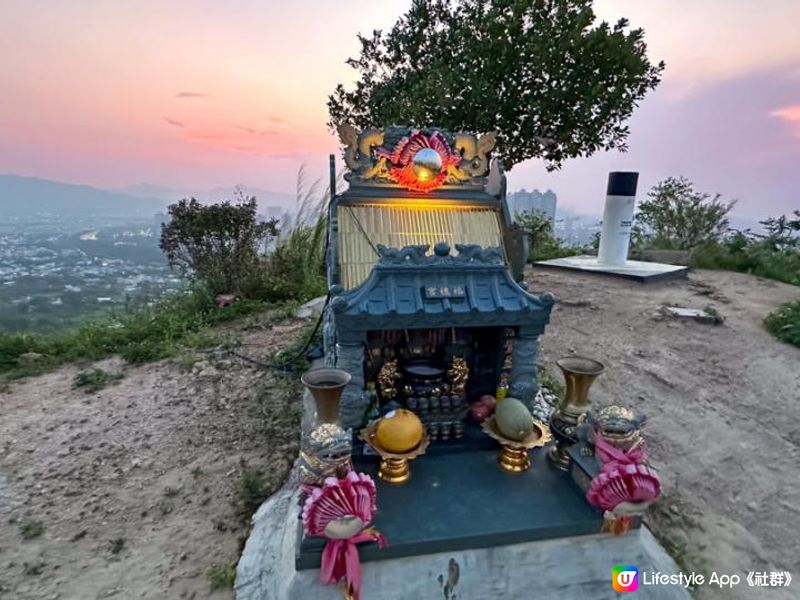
[399, 431]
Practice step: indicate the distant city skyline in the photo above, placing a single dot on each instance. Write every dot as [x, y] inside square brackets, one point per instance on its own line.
[196, 95]
[534, 201]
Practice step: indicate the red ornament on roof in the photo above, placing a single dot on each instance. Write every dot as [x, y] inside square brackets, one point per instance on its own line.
[421, 162]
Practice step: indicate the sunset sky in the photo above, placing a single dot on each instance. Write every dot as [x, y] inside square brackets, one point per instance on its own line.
[202, 93]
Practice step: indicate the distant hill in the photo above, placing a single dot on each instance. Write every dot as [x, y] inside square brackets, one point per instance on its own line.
[265, 197]
[30, 196]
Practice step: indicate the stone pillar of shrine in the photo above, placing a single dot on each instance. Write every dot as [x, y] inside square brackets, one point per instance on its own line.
[350, 358]
[524, 381]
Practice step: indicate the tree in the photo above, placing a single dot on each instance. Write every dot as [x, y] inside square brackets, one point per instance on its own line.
[542, 243]
[220, 244]
[676, 217]
[782, 232]
[554, 83]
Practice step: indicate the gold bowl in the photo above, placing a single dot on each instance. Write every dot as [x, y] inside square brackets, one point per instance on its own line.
[513, 456]
[394, 467]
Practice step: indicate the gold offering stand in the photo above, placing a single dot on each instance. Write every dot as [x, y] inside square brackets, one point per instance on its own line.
[394, 467]
[513, 456]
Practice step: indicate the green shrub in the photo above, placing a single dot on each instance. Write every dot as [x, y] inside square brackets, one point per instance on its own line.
[784, 323]
[542, 244]
[252, 490]
[676, 217]
[295, 269]
[222, 577]
[137, 332]
[218, 244]
[225, 247]
[749, 254]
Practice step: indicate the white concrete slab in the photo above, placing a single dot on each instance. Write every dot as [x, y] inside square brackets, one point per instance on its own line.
[633, 269]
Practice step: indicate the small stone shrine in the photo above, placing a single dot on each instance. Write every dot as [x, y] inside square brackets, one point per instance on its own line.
[424, 461]
[423, 302]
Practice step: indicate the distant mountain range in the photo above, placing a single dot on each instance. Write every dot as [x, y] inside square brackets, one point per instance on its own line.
[218, 194]
[30, 196]
[24, 197]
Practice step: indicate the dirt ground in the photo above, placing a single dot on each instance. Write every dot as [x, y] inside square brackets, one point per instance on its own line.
[137, 486]
[723, 404]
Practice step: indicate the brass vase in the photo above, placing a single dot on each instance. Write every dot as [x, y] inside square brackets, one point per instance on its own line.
[326, 387]
[324, 449]
[579, 375]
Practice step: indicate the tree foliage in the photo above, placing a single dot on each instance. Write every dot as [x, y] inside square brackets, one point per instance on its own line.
[782, 233]
[542, 243]
[219, 244]
[774, 254]
[676, 217]
[545, 74]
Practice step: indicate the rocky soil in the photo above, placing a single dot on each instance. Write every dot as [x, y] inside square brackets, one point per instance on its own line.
[723, 403]
[134, 491]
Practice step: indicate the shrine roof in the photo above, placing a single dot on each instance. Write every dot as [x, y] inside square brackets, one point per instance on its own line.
[408, 288]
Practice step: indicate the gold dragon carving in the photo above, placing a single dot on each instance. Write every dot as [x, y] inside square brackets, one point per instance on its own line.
[458, 375]
[358, 155]
[387, 380]
[475, 155]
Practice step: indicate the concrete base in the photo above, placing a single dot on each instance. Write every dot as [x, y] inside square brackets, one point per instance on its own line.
[635, 270]
[572, 567]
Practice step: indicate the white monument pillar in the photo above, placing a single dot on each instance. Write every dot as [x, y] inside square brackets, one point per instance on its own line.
[617, 218]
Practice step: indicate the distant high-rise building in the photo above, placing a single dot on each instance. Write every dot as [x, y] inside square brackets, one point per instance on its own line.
[535, 201]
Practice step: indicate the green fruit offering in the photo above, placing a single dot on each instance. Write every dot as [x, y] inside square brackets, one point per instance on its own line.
[513, 419]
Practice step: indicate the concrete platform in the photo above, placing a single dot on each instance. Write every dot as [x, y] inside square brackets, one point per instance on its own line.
[635, 270]
[555, 569]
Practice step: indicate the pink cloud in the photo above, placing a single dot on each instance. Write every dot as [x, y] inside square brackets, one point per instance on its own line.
[255, 131]
[790, 115]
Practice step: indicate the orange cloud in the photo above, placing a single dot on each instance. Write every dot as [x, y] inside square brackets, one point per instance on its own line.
[790, 115]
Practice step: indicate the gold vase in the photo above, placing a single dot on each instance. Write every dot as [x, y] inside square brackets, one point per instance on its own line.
[579, 375]
[326, 387]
